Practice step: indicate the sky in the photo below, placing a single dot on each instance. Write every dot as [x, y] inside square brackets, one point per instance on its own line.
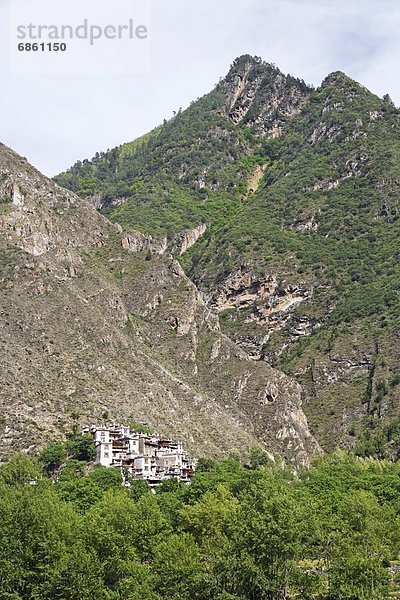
[54, 120]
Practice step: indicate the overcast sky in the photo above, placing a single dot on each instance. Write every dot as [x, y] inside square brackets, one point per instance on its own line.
[56, 120]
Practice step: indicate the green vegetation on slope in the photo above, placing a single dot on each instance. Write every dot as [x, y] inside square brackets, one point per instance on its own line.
[193, 169]
[354, 243]
[328, 220]
[235, 533]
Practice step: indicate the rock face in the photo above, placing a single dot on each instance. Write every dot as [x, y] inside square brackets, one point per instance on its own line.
[134, 241]
[265, 301]
[260, 96]
[265, 295]
[97, 321]
[138, 242]
[182, 242]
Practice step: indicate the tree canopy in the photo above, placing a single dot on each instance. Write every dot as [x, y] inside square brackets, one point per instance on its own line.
[330, 532]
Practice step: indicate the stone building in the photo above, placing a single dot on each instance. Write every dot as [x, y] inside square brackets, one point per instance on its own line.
[154, 458]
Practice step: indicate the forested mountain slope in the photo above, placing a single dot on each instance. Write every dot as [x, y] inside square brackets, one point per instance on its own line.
[198, 166]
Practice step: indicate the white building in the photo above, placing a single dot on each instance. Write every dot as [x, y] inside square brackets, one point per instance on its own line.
[141, 456]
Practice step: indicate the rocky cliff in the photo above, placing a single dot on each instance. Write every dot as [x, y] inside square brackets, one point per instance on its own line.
[260, 96]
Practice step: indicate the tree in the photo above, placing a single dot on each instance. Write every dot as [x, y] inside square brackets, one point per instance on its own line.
[151, 525]
[20, 470]
[106, 478]
[170, 498]
[259, 457]
[39, 530]
[367, 538]
[138, 488]
[209, 517]
[212, 522]
[77, 576]
[110, 530]
[179, 569]
[204, 465]
[267, 538]
[82, 447]
[81, 491]
[239, 533]
[53, 456]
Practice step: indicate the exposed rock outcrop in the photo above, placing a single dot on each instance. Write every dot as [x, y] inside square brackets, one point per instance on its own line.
[135, 241]
[266, 301]
[182, 242]
[261, 96]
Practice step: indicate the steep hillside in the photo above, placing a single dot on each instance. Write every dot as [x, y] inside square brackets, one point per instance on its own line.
[287, 199]
[98, 324]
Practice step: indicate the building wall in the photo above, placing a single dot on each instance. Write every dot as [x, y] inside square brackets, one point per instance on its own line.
[144, 456]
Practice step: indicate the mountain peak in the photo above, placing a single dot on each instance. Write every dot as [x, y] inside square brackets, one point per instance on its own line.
[338, 78]
[247, 61]
[258, 94]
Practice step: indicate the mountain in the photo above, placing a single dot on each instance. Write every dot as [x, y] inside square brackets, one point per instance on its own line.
[287, 200]
[200, 166]
[98, 324]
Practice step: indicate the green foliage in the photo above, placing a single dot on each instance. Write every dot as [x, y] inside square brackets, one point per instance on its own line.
[81, 447]
[194, 169]
[138, 488]
[53, 456]
[352, 232]
[106, 479]
[235, 533]
[379, 439]
[204, 465]
[139, 427]
[20, 470]
[259, 457]
[363, 545]
[82, 492]
[77, 448]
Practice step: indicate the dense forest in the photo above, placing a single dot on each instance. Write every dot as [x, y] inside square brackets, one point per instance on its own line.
[71, 530]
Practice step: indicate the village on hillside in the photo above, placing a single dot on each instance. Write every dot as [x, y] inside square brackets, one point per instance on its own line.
[151, 457]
